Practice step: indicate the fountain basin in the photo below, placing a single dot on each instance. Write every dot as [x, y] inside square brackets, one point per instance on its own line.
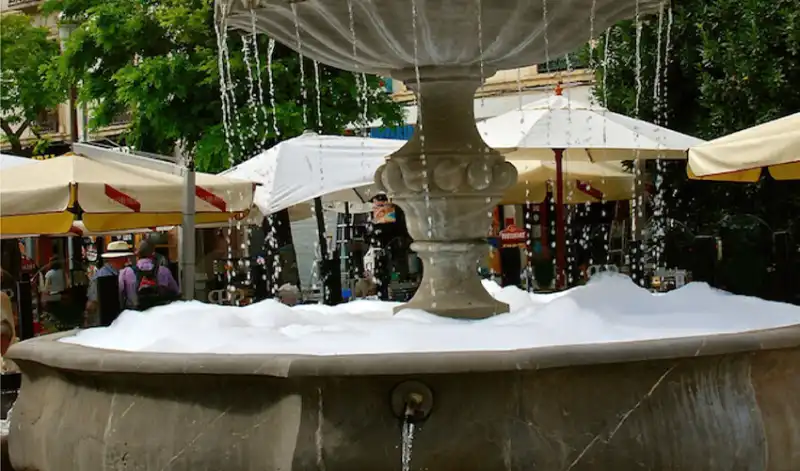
[378, 36]
[720, 402]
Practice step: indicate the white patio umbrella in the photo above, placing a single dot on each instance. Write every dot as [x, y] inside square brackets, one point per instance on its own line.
[742, 155]
[558, 129]
[340, 169]
[295, 171]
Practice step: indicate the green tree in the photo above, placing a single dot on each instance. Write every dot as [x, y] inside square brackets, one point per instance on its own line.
[731, 64]
[158, 60]
[25, 92]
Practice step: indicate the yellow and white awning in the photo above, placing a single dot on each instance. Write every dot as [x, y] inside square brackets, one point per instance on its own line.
[741, 156]
[44, 197]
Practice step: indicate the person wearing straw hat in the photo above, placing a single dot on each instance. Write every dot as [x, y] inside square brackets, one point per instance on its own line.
[115, 258]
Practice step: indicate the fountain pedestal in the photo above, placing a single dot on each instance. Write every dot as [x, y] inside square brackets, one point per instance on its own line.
[447, 181]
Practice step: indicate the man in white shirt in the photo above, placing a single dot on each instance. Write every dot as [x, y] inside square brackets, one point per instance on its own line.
[55, 282]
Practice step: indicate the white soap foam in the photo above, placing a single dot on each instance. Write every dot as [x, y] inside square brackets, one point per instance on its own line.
[610, 308]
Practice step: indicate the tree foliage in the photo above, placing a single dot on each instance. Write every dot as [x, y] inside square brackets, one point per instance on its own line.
[730, 65]
[26, 51]
[158, 60]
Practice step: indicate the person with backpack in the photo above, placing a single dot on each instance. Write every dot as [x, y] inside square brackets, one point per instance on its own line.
[147, 283]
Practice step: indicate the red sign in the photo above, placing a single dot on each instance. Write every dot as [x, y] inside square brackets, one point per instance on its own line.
[211, 198]
[513, 236]
[124, 199]
[28, 265]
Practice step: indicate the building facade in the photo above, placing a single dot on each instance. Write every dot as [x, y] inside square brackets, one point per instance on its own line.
[502, 92]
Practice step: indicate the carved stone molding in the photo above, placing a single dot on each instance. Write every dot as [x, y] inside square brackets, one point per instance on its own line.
[442, 176]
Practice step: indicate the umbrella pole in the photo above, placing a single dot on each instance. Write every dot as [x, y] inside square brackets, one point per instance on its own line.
[188, 235]
[329, 266]
[319, 215]
[561, 242]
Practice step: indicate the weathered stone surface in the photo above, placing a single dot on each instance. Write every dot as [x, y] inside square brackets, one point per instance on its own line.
[5, 461]
[717, 403]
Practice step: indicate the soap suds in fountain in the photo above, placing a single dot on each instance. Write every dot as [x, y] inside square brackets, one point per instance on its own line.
[610, 308]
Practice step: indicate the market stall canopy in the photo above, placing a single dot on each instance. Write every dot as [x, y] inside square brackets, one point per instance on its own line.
[295, 171]
[109, 196]
[11, 161]
[584, 182]
[586, 132]
[741, 156]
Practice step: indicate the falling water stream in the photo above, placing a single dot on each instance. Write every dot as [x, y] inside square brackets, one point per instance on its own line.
[301, 60]
[657, 216]
[271, 80]
[229, 114]
[528, 223]
[587, 235]
[606, 64]
[318, 88]
[318, 434]
[660, 112]
[481, 65]
[637, 206]
[320, 254]
[552, 200]
[570, 185]
[407, 443]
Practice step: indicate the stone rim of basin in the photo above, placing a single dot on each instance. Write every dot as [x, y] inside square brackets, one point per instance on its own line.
[47, 350]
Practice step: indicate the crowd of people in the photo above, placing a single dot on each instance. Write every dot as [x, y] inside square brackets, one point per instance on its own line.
[144, 279]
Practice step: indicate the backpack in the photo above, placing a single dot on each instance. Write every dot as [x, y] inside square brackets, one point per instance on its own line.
[148, 292]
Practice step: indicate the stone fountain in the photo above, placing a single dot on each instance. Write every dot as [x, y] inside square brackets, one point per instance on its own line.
[712, 403]
[445, 178]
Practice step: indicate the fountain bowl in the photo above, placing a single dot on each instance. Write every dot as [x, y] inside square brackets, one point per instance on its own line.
[378, 36]
[713, 403]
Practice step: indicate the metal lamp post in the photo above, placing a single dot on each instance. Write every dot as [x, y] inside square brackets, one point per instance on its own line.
[65, 29]
[188, 248]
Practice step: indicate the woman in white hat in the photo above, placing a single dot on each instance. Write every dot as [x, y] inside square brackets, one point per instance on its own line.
[115, 258]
